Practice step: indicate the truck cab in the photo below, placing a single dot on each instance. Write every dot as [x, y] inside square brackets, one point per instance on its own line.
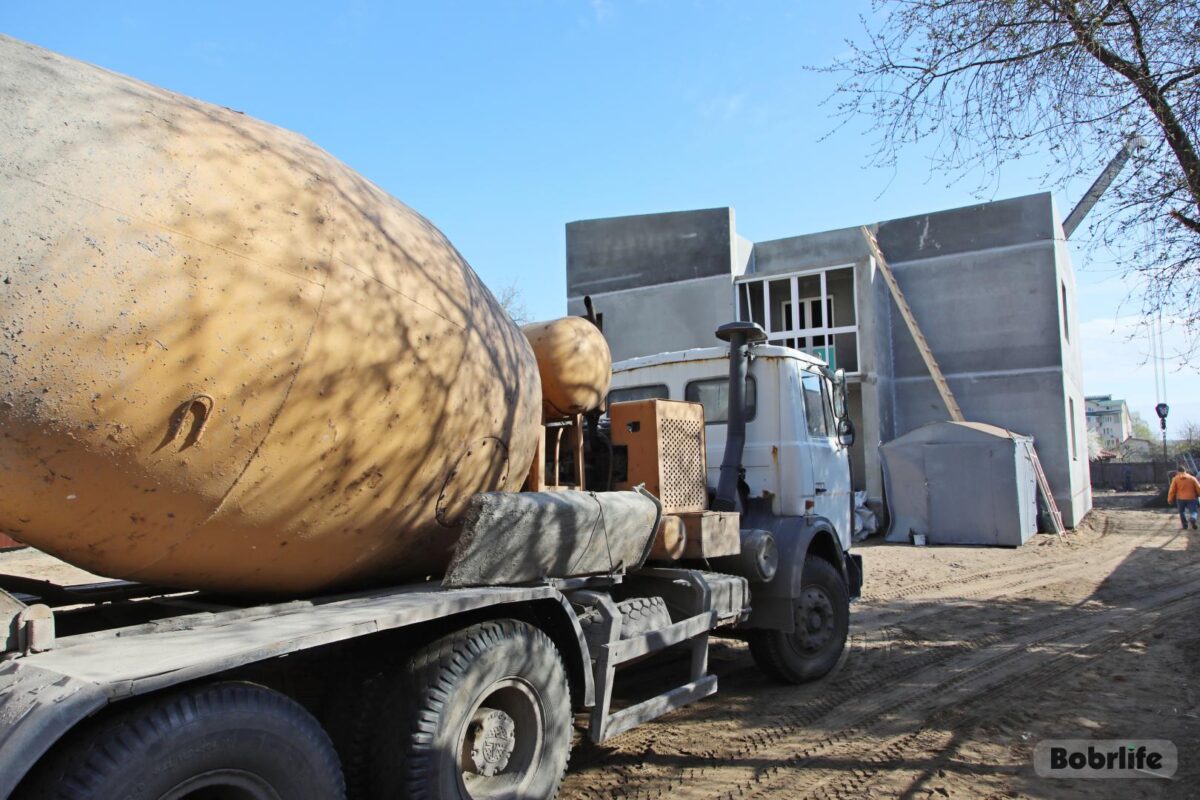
[792, 470]
[795, 461]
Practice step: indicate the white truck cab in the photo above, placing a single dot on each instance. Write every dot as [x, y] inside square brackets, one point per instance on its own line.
[794, 459]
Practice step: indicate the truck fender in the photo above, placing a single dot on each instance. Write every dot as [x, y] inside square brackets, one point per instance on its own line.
[28, 692]
[577, 659]
[772, 603]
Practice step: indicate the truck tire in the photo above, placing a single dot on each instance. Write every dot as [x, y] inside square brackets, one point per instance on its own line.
[352, 717]
[232, 740]
[822, 623]
[482, 713]
[638, 615]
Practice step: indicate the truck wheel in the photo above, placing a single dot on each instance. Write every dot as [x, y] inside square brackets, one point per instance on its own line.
[639, 615]
[822, 623]
[233, 741]
[482, 713]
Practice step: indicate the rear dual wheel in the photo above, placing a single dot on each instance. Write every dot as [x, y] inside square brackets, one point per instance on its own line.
[483, 713]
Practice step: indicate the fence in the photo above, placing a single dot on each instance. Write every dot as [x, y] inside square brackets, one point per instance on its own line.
[1111, 474]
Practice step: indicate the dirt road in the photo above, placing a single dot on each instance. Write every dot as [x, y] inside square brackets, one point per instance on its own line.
[961, 660]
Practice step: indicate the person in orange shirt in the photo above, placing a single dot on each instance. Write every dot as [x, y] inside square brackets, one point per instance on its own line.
[1185, 494]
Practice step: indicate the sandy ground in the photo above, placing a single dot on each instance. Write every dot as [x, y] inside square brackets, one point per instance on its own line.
[960, 660]
[30, 563]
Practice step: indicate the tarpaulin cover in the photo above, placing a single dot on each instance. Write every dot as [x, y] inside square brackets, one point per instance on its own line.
[961, 483]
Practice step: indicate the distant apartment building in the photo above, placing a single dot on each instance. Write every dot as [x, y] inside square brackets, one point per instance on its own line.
[1109, 419]
[991, 284]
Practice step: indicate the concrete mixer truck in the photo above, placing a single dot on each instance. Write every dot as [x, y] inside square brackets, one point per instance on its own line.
[364, 536]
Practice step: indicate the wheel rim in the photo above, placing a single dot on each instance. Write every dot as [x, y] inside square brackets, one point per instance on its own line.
[815, 621]
[223, 784]
[501, 742]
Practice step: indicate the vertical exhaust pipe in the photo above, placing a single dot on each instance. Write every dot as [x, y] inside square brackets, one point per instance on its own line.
[740, 335]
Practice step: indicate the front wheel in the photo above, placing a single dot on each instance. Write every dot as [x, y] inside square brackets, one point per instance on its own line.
[822, 614]
[482, 713]
[232, 741]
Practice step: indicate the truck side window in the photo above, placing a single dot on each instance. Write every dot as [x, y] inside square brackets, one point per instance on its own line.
[713, 394]
[814, 407]
[657, 391]
[830, 418]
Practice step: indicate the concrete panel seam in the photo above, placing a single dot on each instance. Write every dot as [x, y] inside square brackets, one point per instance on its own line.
[999, 373]
[596, 295]
[959, 256]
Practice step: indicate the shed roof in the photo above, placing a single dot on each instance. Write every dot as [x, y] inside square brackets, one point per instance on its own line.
[950, 431]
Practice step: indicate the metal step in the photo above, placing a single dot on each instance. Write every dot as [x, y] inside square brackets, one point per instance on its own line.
[614, 651]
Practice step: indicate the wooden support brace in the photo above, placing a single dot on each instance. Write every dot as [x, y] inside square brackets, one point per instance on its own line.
[935, 371]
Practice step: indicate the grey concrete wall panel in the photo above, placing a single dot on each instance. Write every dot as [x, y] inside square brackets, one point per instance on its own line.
[960, 483]
[875, 366]
[605, 255]
[743, 256]
[812, 251]
[987, 311]
[659, 319]
[1072, 359]
[984, 226]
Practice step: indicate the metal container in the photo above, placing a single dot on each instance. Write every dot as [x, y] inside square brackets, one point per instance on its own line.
[227, 361]
[574, 362]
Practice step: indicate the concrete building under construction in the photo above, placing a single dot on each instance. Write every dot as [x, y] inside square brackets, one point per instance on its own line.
[991, 285]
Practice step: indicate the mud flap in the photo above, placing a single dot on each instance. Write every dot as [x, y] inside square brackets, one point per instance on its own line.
[854, 575]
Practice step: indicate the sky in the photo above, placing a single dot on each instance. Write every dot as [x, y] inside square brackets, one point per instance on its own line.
[501, 121]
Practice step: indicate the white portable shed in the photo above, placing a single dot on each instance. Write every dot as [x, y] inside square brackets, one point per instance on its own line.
[961, 483]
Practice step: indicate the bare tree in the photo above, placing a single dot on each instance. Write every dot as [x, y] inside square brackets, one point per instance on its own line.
[989, 81]
[510, 301]
[1188, 440]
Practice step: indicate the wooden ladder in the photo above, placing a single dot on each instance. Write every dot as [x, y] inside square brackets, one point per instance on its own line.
[1044, 488]
[939, 380]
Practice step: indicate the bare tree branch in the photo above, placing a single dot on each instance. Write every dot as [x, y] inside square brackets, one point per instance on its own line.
[983, 83]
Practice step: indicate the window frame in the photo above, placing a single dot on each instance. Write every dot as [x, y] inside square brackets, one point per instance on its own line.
[824, 412]
[746, 287]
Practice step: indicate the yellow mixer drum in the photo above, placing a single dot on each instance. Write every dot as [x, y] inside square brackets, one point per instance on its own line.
[227, 361]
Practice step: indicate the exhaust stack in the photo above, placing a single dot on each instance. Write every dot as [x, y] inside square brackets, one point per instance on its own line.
[740, 335]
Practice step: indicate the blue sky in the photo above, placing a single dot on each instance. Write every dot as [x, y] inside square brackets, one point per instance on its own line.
[501, 121]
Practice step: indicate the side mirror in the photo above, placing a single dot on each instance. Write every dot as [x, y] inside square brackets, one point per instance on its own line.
[839, 394]
[845, 432]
